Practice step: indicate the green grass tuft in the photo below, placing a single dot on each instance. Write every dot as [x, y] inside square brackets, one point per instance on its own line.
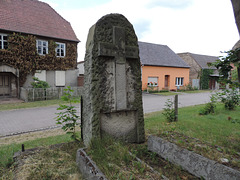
[7, 151]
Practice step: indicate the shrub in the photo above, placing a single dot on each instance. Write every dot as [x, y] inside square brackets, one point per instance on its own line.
[230, 98]
[209, 107]
[188, 87]
[39, 84]
[163, 90]
[169, 111]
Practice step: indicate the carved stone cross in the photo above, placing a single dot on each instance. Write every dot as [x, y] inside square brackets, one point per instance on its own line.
[120, 52]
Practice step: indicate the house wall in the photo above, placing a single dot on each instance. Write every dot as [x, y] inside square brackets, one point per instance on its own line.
[70, 78]
[160, 72]
[50, 78]
[194, 67]
[30, 61]
[80, 67]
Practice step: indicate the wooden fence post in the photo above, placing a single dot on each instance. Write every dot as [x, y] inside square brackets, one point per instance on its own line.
[81, 110]
[176, 107]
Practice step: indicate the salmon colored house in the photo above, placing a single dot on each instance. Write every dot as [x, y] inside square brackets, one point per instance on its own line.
[162, 69]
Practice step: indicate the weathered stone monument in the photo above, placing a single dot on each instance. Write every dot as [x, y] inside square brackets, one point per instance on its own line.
[112, 100]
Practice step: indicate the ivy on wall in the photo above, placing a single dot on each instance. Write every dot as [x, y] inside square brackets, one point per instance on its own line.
[205, 77]
[22, 54]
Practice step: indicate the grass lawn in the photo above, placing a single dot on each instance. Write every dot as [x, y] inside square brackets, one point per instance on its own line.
[215, 129]
[196, 91]
[214, 136]
[4, 107]
[170, 93]
[23, 105]
[166, 93]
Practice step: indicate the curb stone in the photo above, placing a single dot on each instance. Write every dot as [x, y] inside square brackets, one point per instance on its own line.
[29, 131]
[194, 163]
[87, 167]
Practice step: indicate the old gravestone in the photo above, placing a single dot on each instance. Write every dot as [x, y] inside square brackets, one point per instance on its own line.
[112, 100]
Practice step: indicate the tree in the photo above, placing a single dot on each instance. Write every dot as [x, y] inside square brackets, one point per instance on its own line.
[224, 65]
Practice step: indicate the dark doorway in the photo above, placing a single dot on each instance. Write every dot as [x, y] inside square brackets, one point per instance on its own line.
[212, 83]
[166, 86]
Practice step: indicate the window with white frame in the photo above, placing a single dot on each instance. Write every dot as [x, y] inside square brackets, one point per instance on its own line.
[60, 49]
[3, 41]
[152, 81]
[42, 47]
[179, 81]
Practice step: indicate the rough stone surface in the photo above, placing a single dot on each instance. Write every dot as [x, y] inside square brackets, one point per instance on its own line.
[112, 97]
[87, 167]
[190, 161]
[236, 11]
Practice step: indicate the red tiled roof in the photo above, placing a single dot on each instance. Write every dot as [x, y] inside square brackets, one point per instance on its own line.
[34, 17]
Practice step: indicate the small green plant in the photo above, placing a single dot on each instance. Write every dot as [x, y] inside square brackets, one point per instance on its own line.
[230, 98]
[209, 107]
[68, 116]
[169, 111]
[232, 120]
[39, 84]
[188, 87]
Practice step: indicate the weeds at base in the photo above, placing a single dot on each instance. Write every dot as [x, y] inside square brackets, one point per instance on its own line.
[114, 160]
[161, 165]
[46, 163]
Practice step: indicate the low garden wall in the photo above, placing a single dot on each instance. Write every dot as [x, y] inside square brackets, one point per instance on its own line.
[39, 94]
[194, 163]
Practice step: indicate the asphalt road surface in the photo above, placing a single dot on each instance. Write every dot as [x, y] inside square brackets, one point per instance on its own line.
[33, 119]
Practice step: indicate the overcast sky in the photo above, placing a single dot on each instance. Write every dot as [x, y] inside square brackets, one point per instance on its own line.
[197, 26]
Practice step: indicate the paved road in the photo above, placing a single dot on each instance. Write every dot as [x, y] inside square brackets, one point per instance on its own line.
[152, 103]
[24, 120]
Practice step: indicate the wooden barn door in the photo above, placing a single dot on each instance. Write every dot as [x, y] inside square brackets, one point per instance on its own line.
[4, 84]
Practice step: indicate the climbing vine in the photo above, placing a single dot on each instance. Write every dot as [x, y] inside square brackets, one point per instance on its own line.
[204, 78]
[22, 54]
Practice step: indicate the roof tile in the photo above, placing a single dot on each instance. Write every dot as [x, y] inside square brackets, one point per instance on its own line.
[202, 60]
[159, 55]
[34, 17]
